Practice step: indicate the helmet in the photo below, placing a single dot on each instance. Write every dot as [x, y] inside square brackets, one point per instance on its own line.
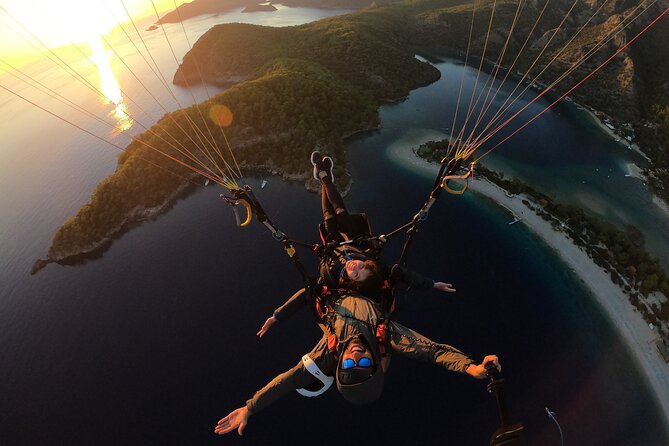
[360, 385]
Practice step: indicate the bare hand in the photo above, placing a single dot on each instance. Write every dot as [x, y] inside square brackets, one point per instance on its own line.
[478, 371]
[237, 419]
[445, 287]
[266, 326]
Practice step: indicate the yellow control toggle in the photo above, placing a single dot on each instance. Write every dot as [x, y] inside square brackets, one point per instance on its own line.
[249, 213]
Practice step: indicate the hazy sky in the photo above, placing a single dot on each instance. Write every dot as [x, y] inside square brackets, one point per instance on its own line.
[59, 22]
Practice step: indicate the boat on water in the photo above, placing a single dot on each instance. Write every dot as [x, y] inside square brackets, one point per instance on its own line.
[263, 184]
[515, 220]
[206, 183]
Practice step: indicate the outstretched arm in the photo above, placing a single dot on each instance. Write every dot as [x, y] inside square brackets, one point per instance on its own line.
[411, 344]
[296, 302]
[403, 277]
[237, 419]
[445, 287]
[295, 378]
[267, 325]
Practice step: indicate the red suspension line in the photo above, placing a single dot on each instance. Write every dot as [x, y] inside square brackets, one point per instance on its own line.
[486, 104]
[478, 73]
[214, 145]
[565, 74]
[579, 83]
[66, 67]
[504, 108]
[55, 115]
[462, 80]
[197, 66]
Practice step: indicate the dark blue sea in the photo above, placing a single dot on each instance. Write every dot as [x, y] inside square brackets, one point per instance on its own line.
[154, 341]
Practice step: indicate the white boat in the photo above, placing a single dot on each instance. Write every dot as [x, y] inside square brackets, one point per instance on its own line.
[515, 220]
[206, 183]
[263, 184]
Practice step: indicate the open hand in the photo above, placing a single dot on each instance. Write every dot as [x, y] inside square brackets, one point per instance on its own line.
[445, 287]
[237, 419]
[266, 326]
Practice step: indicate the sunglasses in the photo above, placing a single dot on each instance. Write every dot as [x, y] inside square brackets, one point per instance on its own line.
[350, 363]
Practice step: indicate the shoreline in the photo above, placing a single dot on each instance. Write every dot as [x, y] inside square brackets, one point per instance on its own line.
[612, 132]
[629, 323]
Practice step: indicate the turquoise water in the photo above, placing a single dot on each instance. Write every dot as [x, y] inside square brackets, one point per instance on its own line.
[155, 341]
[563, 153]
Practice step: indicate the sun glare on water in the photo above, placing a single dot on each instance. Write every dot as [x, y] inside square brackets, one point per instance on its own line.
[109, 85]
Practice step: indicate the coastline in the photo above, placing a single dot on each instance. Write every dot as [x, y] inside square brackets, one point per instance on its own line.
[139, 215]
[630, 324]
[613, 133]
[136, 218]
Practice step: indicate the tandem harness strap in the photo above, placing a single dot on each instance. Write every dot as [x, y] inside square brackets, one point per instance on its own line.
[447, 172]
[312, 368]
[244, 197]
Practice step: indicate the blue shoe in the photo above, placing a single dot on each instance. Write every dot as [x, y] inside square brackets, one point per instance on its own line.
[327, 165]
[316, 160]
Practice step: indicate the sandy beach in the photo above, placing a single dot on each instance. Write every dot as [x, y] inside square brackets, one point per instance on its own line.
[613, 134]
[629, 323]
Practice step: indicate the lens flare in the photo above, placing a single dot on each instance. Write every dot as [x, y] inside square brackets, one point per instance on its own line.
[221, 115]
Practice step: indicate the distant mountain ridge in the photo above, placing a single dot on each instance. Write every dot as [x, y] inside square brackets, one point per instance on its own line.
[201, 7]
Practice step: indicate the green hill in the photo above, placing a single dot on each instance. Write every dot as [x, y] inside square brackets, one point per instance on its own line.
[278, 119]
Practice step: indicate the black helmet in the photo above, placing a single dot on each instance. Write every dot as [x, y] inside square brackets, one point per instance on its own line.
[360, 385]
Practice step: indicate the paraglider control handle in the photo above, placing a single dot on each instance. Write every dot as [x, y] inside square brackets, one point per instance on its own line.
[507, 434]
[491, 370]
[468, 173]
[234, 202]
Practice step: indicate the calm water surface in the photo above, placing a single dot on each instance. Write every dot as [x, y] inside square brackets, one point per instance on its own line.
[155, 340]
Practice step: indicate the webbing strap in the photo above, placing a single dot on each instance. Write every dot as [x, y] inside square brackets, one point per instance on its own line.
[312, 368]
[446, 171]
[246, 197]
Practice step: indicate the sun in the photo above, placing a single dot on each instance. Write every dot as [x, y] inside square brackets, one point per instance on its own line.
[25, 24]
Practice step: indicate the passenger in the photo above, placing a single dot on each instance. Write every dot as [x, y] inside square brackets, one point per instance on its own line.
[358, 336]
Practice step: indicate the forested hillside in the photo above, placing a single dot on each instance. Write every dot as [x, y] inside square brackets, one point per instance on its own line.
[277, 120]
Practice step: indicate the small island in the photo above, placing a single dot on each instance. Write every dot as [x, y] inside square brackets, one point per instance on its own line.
[262, 7]
[202, 7]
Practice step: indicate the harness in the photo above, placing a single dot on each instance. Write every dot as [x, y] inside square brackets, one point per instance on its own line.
[321, 294]
[322, 303]
[451, 169]
[326, 314]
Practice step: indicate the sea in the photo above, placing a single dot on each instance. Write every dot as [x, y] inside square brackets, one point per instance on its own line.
[154, 340]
